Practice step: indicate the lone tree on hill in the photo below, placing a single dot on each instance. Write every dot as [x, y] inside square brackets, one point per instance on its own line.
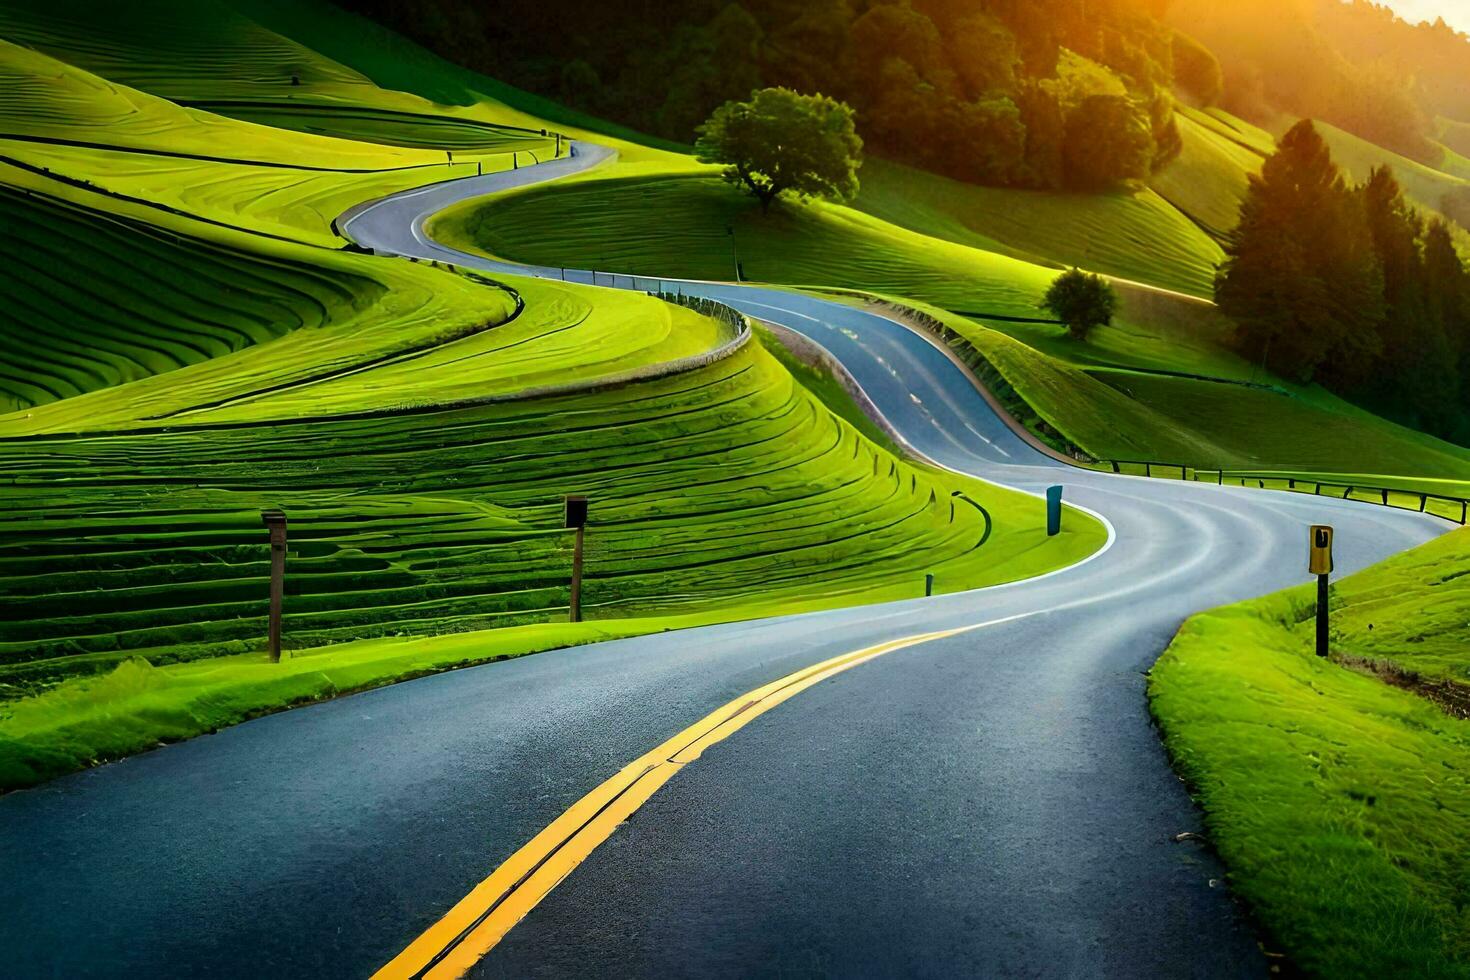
[1082, 301]
[783, 141]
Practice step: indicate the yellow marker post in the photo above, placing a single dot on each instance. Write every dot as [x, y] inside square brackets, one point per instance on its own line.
[1319, 563]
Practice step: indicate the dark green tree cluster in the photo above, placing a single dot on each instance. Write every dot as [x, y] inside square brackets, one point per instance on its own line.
[1005, 92]
[1349, 286]
[987, 91]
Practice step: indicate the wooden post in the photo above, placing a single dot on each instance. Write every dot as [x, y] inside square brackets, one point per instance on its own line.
[275, 520]
[574, 512]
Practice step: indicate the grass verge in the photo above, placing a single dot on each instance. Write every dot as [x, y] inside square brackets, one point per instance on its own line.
[1339, 803]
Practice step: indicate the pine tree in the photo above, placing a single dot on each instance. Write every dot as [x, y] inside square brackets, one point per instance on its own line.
[1447, 298]
[1300, 277]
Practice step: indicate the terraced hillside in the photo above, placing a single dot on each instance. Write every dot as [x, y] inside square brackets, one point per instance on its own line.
[730, 485]
[149, 303]
[65, 121]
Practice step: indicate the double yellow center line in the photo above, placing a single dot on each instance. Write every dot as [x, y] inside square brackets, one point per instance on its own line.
[454, 944]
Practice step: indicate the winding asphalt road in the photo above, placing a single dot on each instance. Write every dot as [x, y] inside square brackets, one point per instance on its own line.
[991, 804]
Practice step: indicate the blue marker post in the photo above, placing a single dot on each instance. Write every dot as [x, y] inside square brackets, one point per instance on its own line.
[1053, 511]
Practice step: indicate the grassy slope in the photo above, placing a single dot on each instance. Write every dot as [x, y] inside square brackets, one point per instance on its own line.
[289, 374]
[682, 233]
[727, 485]
[1424, 185]
[256, 178]
[1135, 236]
[1208, 181]
[1107, 396]
[1341, 804]
[381, 335]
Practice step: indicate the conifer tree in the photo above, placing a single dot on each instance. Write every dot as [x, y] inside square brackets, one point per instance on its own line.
[1301, 278]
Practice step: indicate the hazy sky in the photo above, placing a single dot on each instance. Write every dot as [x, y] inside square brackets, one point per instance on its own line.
[1456, 13]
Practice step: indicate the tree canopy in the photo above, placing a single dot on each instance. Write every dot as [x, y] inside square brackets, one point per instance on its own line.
[781, 141]
[1082, 301]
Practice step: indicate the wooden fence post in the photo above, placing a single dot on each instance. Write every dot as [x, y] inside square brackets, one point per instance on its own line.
[275, 520]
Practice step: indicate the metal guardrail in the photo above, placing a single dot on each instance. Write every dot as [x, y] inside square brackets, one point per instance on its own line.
[1456, 509]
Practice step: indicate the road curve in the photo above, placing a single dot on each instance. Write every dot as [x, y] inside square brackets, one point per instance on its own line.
[991, 803]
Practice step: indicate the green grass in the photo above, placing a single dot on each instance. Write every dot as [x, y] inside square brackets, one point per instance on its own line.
[1131, 235]
[819, 379]
[62, 120]
[1339, 803]
[1412, 611]
[675, 226]
[1231, 422]
[721, 486]
[1208, 180]
[150, 303]
[373, 125]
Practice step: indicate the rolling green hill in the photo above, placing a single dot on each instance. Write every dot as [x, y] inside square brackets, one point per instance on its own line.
[191, 341]
[1134, 236]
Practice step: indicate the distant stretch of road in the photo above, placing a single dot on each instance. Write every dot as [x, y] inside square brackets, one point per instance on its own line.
[993, 802]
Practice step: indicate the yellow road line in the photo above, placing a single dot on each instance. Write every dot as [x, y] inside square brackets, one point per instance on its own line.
[454, 944]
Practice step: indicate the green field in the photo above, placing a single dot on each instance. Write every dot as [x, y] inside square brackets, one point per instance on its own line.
[1339, 802]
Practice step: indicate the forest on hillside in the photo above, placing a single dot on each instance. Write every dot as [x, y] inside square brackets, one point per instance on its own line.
[1019, 93]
